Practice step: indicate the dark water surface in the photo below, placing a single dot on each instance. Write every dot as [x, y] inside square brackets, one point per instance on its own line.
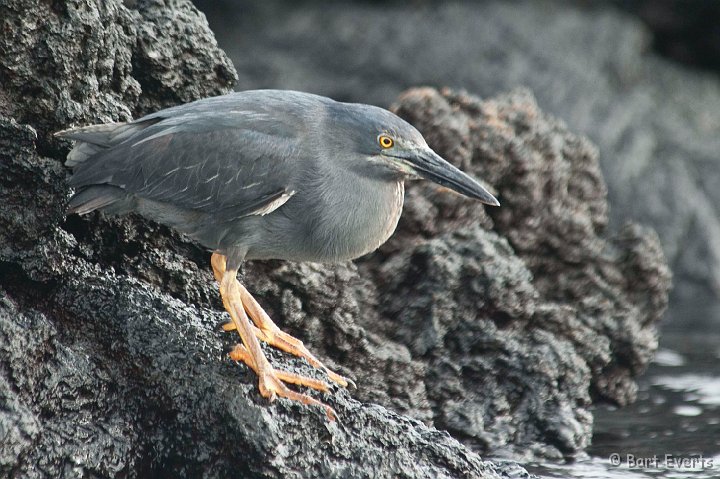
[673, 429]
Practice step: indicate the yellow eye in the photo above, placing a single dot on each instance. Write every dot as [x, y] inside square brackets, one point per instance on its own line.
[385, 141]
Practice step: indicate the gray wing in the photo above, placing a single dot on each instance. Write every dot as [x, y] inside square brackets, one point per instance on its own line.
[230, 163]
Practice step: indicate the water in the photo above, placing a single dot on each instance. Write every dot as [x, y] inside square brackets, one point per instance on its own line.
[673, 429]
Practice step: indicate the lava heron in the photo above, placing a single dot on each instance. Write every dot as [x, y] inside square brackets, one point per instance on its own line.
[264, 174]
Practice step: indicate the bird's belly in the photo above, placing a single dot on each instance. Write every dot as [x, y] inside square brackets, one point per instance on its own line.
[327, 235]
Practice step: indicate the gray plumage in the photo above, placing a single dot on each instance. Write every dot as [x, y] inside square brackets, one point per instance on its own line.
[260, 174]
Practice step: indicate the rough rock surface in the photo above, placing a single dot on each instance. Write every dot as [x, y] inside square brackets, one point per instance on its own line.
[554, 215]
[499, 328]
[654, 122]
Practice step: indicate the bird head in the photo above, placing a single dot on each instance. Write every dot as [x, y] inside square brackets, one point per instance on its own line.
[390, 146]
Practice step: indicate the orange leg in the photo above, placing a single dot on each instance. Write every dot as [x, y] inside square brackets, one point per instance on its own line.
[266, 330]
[270, 380]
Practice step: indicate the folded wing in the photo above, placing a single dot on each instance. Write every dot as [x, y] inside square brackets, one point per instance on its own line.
[230, 162]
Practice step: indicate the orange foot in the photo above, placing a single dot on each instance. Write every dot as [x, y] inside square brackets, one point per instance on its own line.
[237, 300]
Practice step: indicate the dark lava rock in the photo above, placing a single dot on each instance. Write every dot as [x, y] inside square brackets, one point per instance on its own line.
[655, 123]
[82, 61]
[552, 315]
[500, 327]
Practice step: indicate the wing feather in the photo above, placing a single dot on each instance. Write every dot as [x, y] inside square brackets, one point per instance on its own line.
[229, 163]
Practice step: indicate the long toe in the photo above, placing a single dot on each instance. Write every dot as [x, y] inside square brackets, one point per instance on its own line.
[228, 326]
[241, 354]
[267, 331]
[271, 386]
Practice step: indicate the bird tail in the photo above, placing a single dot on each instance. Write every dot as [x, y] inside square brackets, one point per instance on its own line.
[110, 198]
[95, 138]
[92, 141]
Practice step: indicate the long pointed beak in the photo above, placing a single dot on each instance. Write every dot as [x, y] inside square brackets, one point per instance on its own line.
[429, 165]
